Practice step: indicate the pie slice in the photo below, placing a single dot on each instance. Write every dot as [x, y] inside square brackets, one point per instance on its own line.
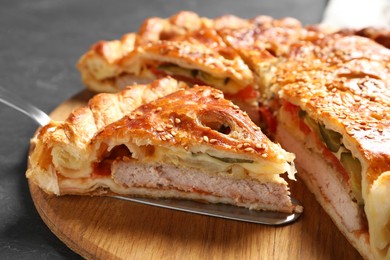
[102, 68]
[335, 116]
[190, 144]
[186, 47]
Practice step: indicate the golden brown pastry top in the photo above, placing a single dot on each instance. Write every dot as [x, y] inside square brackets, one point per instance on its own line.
[192, 117]
[192, 42]
[260, 42]
[343, 81]
[260, 38]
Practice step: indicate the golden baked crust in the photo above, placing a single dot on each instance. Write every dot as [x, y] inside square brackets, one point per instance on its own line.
[191, 118]
[260, 41]
[195, 129]
[191, 42]
[260, 34]
[193, 53]
[159, 29]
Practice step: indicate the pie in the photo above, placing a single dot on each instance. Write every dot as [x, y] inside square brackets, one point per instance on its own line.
[163, 140]
[322, 93]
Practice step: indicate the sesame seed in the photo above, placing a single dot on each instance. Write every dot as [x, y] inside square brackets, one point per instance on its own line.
[126, 158]
[259, 146]
[239, 146]
[213, 141]
[159, 129]
[246, 144]
[169, 126]
[264, 155]
[173, 132]
[138, 113]
[158, 109]
[206, 139]
[217, 95]
[249, 149]
[177, 120]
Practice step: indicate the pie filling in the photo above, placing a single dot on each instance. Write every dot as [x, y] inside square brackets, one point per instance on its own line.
[231, 88]
[227, 177]
[329, 144]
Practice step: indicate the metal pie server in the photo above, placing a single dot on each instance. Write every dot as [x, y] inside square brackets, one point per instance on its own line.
[215, 210]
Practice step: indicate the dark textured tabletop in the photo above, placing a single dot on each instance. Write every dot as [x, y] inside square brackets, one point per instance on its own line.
[40, 42]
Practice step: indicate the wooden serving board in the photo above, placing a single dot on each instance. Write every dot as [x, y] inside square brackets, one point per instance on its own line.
[107, 228]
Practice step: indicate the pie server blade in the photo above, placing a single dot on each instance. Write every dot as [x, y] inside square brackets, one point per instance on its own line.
[226, 211]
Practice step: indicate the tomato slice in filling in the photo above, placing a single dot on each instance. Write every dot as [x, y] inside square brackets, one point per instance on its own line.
[293, 110]
[103, 167]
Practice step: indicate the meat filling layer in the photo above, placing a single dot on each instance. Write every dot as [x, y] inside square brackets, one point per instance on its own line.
[258, 195]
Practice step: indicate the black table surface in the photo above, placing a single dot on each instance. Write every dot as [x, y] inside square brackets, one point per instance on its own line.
[40, 42]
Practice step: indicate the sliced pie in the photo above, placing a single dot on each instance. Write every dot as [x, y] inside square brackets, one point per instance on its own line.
[335, 116]
[324, 92]
[191, 144]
